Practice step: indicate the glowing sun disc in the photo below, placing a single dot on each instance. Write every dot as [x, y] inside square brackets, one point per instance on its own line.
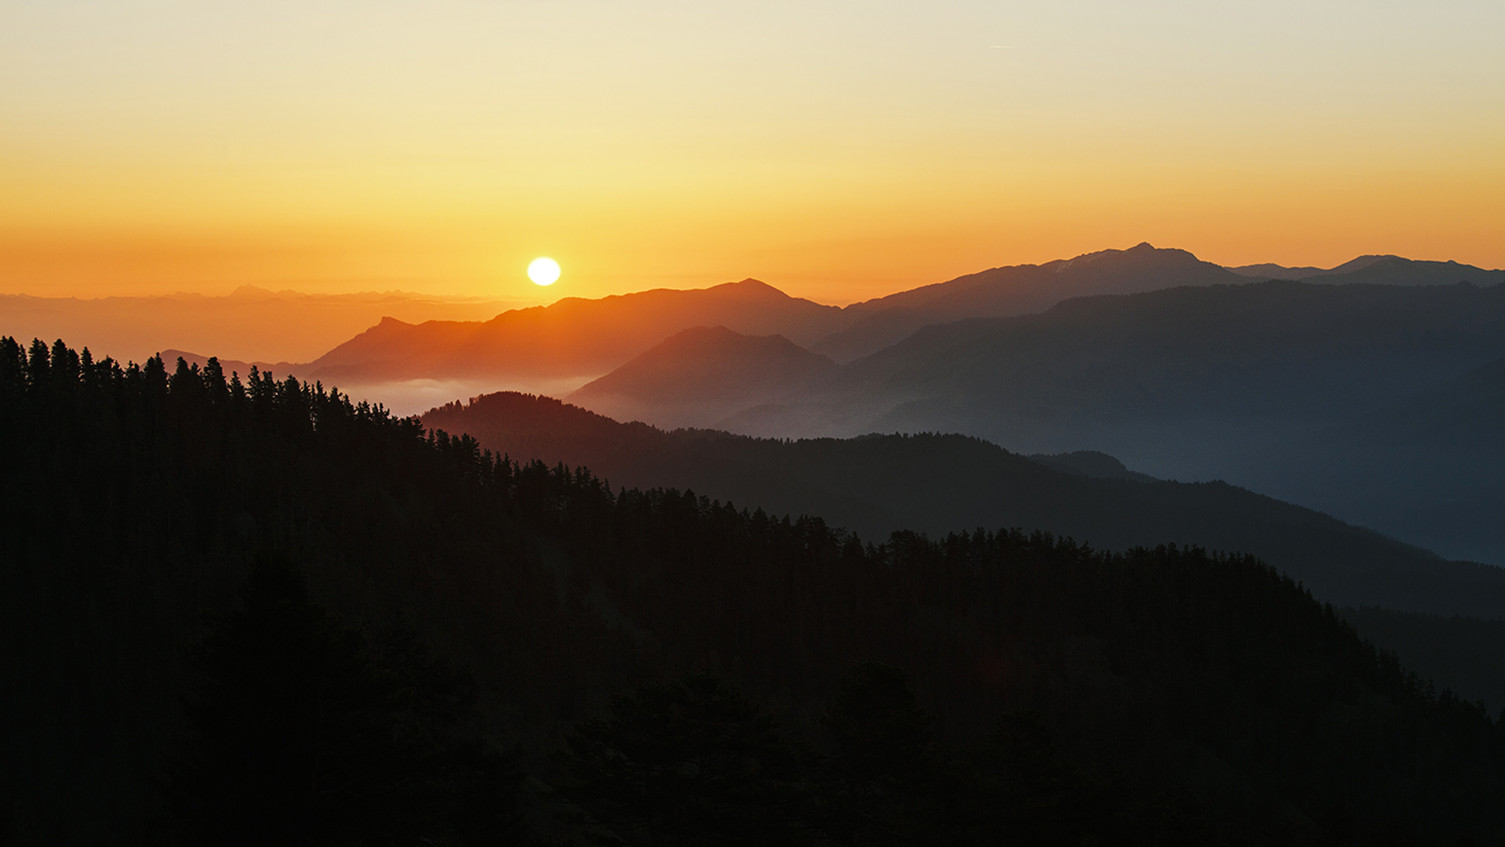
[543, 271]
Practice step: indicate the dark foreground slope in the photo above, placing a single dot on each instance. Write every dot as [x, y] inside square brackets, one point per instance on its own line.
[984, 687]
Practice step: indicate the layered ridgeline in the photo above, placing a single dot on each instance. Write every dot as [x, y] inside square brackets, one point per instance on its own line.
[576, 337]
[960, 690]
[460, 339]
[570, 338]
[582, 339]
[1364, 390]
[1017, 290]
[1306, 392]
[1380, 270]
[1373, 403]
[1029, 289]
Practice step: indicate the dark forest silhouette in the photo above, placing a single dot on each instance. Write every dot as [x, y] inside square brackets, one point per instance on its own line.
[173, 538]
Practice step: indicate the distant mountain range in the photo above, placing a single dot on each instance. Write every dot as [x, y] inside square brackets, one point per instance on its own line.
[411, 336]
[1380, 270]
[437, 339]
[1018, 290]
[250, 324]
[1273, 354]
[571, 338]
[589, 338]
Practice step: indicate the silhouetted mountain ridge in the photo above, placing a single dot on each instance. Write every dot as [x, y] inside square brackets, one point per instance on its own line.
[1017, 290]
[692, 377]
[1381, 270]
[571, 338]
[582, 339]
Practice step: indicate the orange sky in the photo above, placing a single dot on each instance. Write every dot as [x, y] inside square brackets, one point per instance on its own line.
[836, 150]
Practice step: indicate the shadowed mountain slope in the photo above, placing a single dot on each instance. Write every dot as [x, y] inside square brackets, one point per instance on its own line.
[1429, 467]
[1090, 463]
[698, 376]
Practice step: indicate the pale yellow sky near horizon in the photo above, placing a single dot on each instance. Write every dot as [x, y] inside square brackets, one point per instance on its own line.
[837, 150]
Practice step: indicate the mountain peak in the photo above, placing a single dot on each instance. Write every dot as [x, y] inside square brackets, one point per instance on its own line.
[714, 369]
[752, 288]
[1138, 255]
[1367, 261]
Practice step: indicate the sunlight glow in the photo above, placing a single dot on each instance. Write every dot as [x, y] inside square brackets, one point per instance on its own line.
[543, 271]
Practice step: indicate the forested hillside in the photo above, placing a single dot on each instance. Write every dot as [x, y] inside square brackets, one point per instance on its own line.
[933, 483]
[242, 610]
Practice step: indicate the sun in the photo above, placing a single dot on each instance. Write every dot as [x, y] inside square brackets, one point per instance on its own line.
[543, 270]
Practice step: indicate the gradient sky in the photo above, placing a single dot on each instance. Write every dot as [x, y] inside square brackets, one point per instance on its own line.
[838, 150]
